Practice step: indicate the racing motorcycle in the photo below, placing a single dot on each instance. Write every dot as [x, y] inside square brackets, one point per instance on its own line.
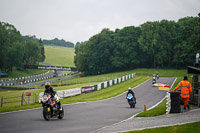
[154, 80]
[131, 100]
[157, 76]
[51, 107]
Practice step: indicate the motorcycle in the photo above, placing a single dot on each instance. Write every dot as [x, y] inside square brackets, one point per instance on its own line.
[131, 100]
[157, 75]
[154, 80]
[51, 107]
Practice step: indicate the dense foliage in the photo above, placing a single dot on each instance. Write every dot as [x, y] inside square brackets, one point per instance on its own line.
[159, 44]
[15, 50]
[58, 42]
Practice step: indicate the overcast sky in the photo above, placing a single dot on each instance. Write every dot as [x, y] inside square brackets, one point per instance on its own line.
[78, 20]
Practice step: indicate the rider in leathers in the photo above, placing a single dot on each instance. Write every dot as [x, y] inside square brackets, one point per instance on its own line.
[131, 91]
[50, 90]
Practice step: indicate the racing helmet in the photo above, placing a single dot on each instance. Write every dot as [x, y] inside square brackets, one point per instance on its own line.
[47, 85]
[129, 88]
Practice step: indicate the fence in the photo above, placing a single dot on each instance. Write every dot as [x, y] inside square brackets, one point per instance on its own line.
[26, 98]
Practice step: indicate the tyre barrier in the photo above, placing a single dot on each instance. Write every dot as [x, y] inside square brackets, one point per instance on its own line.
[175, 102]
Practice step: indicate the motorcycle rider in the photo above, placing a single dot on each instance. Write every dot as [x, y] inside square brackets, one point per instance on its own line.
[50, 90]
[154, 79]
[157, 75]
[131, 91]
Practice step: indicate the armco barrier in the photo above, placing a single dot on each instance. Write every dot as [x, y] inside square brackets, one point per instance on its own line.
[22, 80]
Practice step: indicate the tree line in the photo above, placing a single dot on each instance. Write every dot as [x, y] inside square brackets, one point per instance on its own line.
[54, 42]
[158, 44]
[57, 42]
[16, 50]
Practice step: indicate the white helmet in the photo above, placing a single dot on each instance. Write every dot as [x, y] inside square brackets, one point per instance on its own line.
[129, 88]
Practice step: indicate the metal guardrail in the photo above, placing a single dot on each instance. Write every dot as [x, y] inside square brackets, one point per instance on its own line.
[25, 80]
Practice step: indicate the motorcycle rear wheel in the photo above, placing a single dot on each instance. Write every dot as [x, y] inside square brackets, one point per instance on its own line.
[46, 113]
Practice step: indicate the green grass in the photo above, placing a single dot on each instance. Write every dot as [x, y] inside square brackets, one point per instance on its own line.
[91, 79]
[104, 77]
[16, 73]
[59, 56]
[75, 82]
[97, 95]
[185, 128]
[163, 72]
[107, 92]
[158, 110]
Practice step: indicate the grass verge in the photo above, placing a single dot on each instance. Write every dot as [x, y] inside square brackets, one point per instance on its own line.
[185, 128]
[97, 95]
[158, 110]
[107, 92]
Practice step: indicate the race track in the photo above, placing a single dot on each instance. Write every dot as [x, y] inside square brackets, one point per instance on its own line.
[84, 117]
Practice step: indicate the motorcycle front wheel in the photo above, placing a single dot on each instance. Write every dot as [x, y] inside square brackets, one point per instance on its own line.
[61, 113]
[46, 113]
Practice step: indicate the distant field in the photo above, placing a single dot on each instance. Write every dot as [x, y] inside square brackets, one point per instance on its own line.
[59, 56]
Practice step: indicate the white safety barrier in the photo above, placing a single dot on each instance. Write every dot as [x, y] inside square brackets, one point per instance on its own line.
[168, 104]
[110, 82]
[78, 91]
[64, 93]
[71, 92]
[22, 78]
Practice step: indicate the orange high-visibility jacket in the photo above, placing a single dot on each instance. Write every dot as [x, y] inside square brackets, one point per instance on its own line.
[185, 88]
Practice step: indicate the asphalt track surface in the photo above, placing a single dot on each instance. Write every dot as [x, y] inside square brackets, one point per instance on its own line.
[84, 117]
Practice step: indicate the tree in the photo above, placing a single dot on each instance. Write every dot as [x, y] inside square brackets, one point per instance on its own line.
[187, 41]
[126, 51]
[14, 56]
[93, 57]
[32, 52]
[164, 44]
[148, 42]
[58, 42]
[10, 41]
[42, 50]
